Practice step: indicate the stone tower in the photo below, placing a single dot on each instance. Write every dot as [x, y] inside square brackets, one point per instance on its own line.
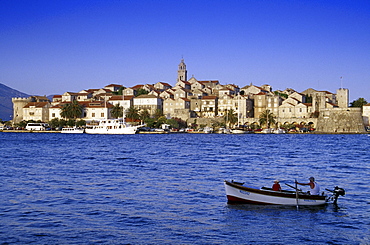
[18, 104]
[182, 73]
[342, 97]
[318, 101]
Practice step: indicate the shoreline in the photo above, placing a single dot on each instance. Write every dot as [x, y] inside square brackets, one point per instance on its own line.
[175, 132]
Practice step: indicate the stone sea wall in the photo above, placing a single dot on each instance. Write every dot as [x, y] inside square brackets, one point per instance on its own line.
[340, 120]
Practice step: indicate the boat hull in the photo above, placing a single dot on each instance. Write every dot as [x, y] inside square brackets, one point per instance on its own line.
[105, 130]
[237, 193]
[72, 131]
[238, 131]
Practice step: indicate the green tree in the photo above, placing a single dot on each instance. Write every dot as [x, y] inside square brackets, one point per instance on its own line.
[173, 123]
[181, 123]
[80, 123]
[358, 103]
[62, 123]
[71, 122]
[150, 122]
[267, 118]
[141, 91]
[133, 114]
[161, 120]
[119, 92]
[231, 117]
[54, 123]
[281, 94]
[144, 115]
[71, 110]
[157, 114]
[117, 111]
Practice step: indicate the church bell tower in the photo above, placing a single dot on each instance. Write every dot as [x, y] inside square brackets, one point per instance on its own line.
[182, 73]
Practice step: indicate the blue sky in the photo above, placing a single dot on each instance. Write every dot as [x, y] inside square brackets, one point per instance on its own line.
[50, 47]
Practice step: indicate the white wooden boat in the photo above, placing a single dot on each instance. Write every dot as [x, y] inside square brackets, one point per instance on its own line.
[238, 131]
[112, 126]
[238, 193]
[74, 130]
[279, 131]
[267, 131]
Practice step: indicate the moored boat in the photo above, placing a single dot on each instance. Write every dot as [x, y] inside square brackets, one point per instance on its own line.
[74, 130]
[267, 131]
[112, 126]
[239, 193]
[279, 131]
[238, 131]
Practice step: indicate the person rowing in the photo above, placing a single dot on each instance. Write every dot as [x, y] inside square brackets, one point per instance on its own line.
[314, 187]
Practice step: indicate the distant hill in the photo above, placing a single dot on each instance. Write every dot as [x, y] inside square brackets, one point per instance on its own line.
[6, 105]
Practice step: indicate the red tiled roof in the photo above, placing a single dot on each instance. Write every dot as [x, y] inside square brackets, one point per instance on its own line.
[114, 85]
[165, 84]
[137, 86]
[209, 97]
[36, 104]
[119, 97]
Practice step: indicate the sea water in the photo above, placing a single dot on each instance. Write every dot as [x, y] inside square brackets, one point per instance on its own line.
[168, 189]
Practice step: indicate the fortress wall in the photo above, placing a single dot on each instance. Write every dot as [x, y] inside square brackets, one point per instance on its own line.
[340, 120]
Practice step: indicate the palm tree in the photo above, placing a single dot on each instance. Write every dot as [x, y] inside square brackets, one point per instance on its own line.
[267, 118]
[132, 113]
[144, 115]
[71, 110]
[157, 114]
[231, 117]
[117, 111]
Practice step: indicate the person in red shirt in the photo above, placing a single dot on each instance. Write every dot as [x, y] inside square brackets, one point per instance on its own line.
[276, 186]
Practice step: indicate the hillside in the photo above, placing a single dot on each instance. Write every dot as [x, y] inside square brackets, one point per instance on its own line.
[6, 105]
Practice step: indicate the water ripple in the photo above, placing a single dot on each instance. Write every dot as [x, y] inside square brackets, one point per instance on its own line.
[167, 189]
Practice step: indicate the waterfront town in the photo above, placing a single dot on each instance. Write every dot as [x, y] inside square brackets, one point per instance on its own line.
[206, 103]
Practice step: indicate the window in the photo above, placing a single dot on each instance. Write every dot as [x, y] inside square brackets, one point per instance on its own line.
[92, 114]
[52, 114]
[102, 114]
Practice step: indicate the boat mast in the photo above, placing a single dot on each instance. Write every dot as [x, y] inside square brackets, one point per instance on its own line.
[123, 106]
[238, 109]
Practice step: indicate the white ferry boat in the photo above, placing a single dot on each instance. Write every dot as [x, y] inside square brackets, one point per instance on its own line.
[74, 130]
[112, 126]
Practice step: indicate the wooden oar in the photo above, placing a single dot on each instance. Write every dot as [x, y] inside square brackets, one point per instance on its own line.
[295, 188]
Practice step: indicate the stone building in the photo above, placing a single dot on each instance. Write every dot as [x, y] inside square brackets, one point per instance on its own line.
[20, 103]
[209, 106]
[366, 115]
[148, 102]
[266, 101]
[179, 108]
[124, 101]
[182, 73]
[243, 106]
[36, 111]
